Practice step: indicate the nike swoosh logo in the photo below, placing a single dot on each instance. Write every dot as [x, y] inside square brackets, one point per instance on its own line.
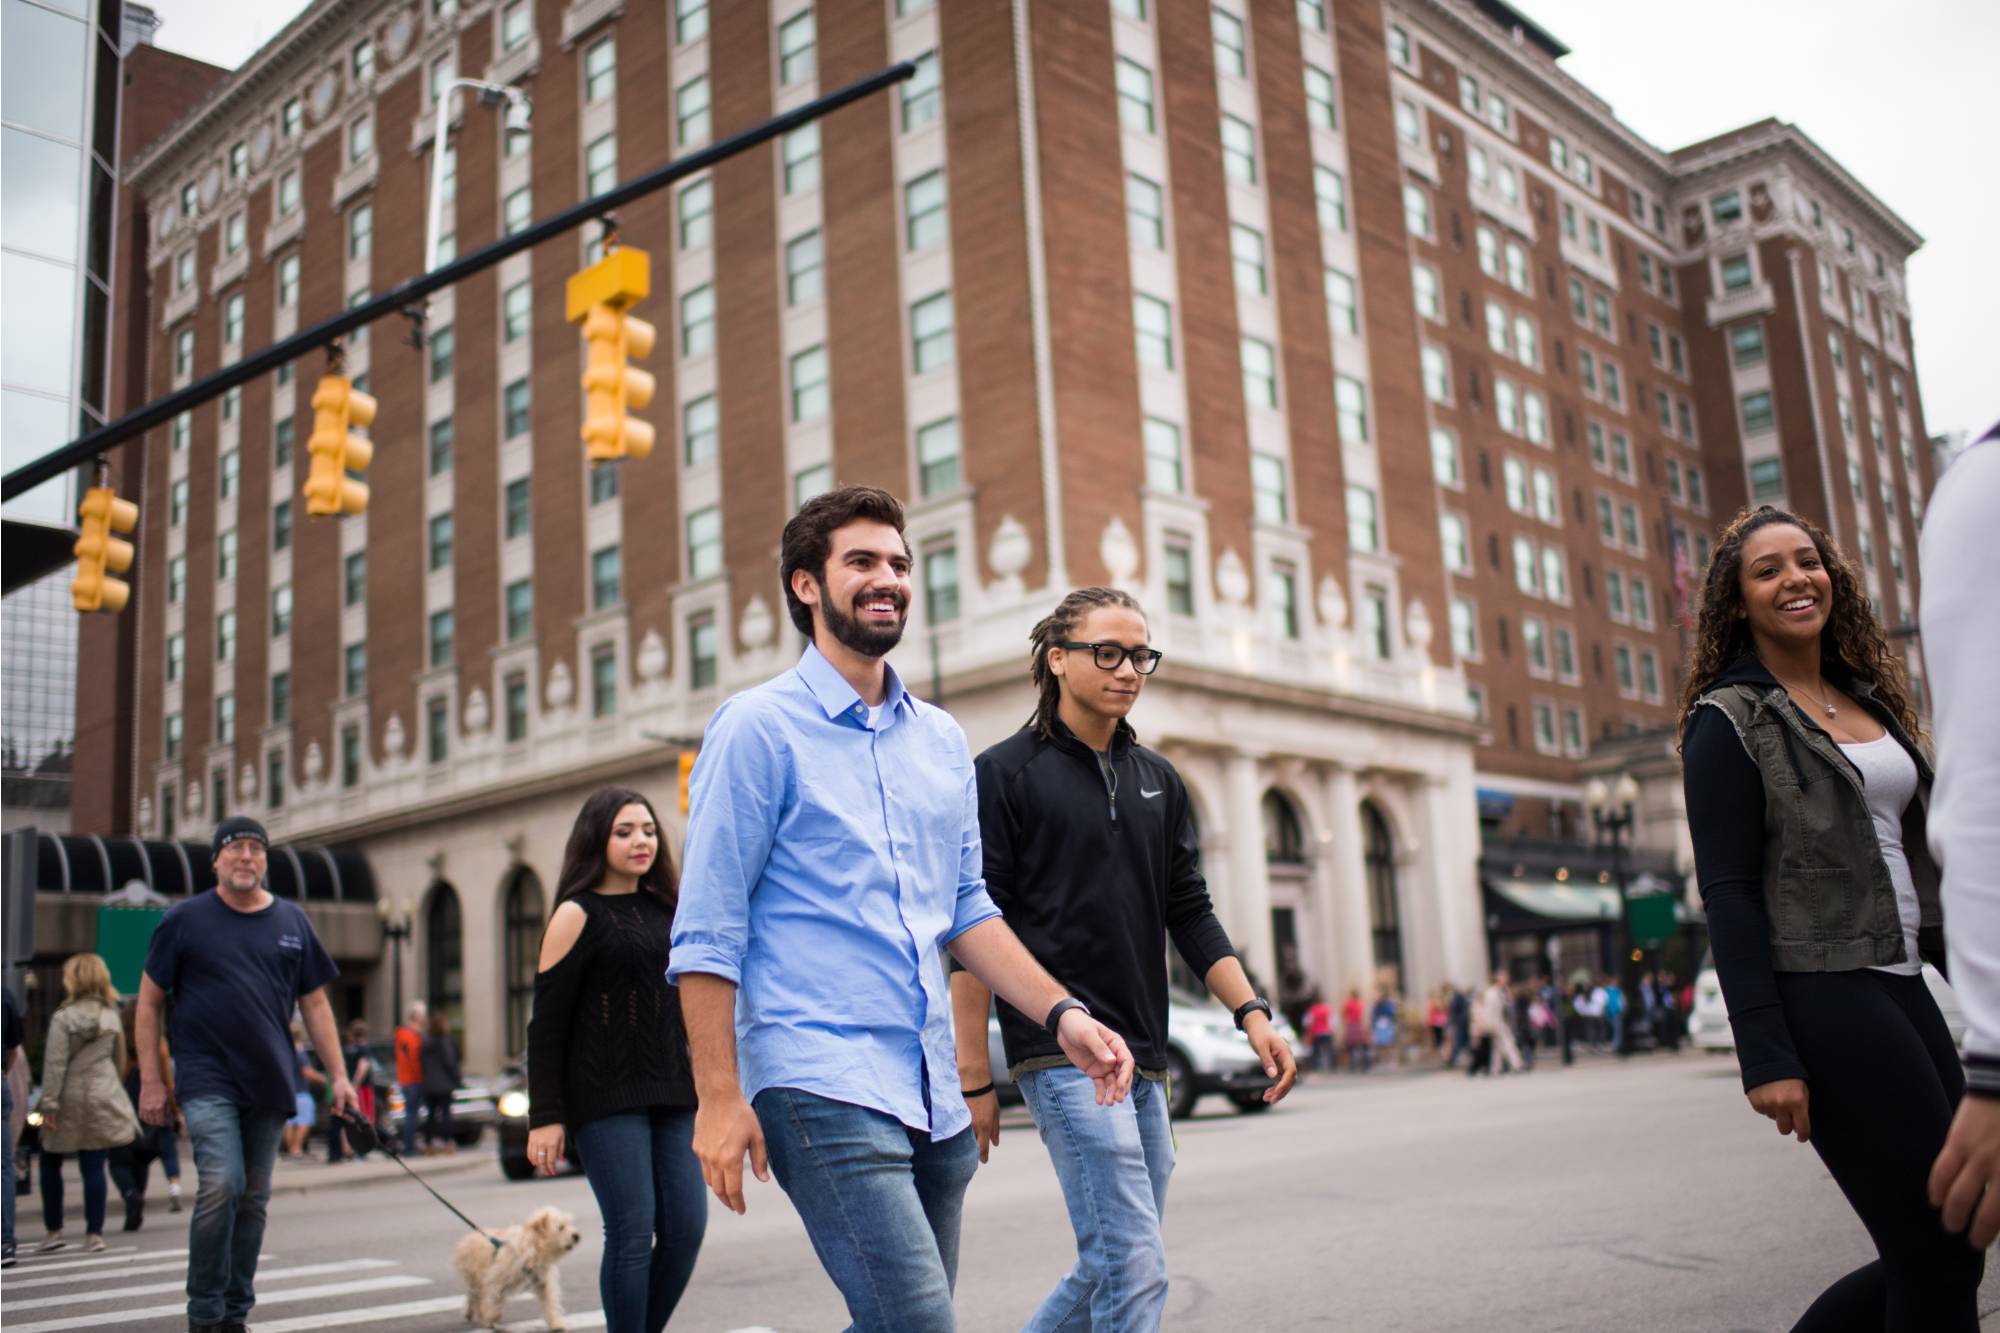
[1149, 795]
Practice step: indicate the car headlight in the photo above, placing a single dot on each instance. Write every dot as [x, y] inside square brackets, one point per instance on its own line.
[514, 1105]
[35, 1119]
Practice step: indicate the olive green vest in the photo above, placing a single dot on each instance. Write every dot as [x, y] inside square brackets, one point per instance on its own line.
[1827, 891]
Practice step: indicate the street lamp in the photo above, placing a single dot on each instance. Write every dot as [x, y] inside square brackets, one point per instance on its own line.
[1611, 810]
[398, 919]
[519, 113]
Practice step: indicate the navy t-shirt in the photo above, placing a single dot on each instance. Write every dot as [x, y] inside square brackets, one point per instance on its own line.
[235, 978]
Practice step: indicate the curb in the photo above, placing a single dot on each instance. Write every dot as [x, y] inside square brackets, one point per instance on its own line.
[295, 1178]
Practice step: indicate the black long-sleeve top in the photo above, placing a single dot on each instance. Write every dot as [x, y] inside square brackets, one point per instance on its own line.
[1725, 807]
[607, 1036]
[1095, 863]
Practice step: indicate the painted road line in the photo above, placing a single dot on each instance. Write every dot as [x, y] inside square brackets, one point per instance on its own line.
[104, 1317]
[588, 1319]
[60, 1279]
[372, 1314]
[161, 1288]
[67, 1257]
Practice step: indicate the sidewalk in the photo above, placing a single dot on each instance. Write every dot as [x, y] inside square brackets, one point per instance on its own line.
[298, 1177]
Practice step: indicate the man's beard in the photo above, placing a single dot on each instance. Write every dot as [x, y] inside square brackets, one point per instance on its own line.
[864, 639]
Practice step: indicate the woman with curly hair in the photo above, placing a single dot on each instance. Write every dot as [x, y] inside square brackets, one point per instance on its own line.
[1807, 786]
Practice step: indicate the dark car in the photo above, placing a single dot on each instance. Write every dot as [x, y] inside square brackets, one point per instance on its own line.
[510, 1098]
[472, 1104]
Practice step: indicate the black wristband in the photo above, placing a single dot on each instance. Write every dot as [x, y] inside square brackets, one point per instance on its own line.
[980, 1091]
[1054, 1021]
[1248, 1007]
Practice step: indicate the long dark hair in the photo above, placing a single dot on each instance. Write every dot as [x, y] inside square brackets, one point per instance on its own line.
[584, 865]
[1056, 626]
[1852, 645]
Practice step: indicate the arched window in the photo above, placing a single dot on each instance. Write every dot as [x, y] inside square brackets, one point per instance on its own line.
[1384, 915]
[1284, 837]
[444, 955]
[524, 939]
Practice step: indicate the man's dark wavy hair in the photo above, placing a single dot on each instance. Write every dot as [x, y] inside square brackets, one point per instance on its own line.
[808, 539]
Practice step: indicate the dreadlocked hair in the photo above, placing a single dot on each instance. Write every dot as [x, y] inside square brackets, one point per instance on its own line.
[1056, 626]
[1851, 644]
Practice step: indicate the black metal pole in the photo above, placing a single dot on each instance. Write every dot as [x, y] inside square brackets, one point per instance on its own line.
[1628, 980]
[162, 410]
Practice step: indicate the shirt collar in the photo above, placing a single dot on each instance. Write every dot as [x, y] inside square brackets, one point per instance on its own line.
[835, 696]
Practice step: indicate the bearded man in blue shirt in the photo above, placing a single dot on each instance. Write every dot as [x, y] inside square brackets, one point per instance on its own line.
[832, 851]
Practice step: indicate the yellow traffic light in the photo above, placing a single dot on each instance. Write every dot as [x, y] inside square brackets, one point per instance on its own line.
[612, 387]
[687, 774]
[103, 513]
[338, 410]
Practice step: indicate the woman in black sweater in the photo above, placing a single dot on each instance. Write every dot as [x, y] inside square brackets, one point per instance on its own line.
[608, 1069]
[1806, 788]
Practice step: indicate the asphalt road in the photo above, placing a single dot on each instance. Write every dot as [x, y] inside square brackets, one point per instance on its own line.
[1636, 1197]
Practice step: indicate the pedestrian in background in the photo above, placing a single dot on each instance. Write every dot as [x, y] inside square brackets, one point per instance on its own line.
[1436, 1015]
[236, 961]
[1319, 1036]
[1354, 1033]
[1614, 1011]
[1807, 789]
[410, 1071]
[440, 1082]
[608, 1070]
[132, 1165]
[361, 1069]
[10, 1039]
[1384, 1022]
[1458, 1011]
[305, 1099]
[84, 1110]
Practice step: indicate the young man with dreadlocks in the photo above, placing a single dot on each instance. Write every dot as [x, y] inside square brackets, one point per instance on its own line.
[1092, 857]
[832, 850]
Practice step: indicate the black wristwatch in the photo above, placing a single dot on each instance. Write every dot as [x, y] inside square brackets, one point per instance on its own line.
[1054, 1021]
[1249, 1007]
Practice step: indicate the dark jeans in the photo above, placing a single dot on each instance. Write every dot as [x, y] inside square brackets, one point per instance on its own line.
[90, 1165]
[437, 1117]
[1885, 1081]
[881, 1202]
[7, 1200]
[642, 1168]
[235, 1149]
[413, 1098]
[132, 1167]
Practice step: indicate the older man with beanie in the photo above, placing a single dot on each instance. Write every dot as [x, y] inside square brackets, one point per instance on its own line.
[236, 961]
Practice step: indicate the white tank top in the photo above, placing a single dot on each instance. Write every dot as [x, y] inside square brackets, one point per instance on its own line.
[1889, 776]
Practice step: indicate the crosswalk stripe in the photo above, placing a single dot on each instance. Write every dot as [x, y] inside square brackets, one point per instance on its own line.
[103, 1317]
[44, 1279]
[374, 1313]
[588, 1319]
[159, 1288]
[69, 1258]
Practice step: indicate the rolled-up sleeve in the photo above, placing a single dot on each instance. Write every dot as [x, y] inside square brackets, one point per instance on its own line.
[974, 904]
[736, 796]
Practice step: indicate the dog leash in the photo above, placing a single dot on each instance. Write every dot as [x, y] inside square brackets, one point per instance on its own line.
[362, 1136]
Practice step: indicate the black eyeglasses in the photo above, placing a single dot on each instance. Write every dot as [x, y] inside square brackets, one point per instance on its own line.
[1109, 656]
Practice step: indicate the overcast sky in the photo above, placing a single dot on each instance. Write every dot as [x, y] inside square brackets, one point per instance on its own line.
[1900, 96]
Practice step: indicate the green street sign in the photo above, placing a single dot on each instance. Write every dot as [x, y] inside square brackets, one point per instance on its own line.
[1652, 917]
[123, 936]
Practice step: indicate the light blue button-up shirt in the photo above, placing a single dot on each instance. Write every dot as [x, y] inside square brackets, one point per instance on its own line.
[827, 861]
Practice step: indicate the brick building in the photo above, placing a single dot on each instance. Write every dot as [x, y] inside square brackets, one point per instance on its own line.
[1360, 342]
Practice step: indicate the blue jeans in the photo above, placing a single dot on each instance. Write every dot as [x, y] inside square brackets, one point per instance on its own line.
[880, 1201]
[642, 1168]
[7, 1163]
[90, 1165]
[170, 1154]
[413, 1099]
[235, 1149]
[1113, 1162]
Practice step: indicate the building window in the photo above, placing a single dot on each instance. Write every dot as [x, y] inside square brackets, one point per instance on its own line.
[690, 20]
[442, 626]
[1736, 274]
[1409, 125]
[1163, 455]
[1330, 198]
[1284, 589]
[1399, 47]
[603, 681]
[1179, 570]
[225, 554]
[176, 656]
[1535, 645]
[1375, 622]
[176, 579]
[702, 650]
[184, 354]
[696, 205]
[281, 697]
[1464, 629]
[600, 165]
[516, 308]
[516, 211]
[920, 94]
[1444, 457]
[281, 526]
[1239, 150]
[811, 481]
[930, 333]
[1456, 541]
[170, 745]
[704, 543]
[442, 342]
[515, 508]
[229, 469]
[808, 375]
[1417, 211]
[1320, 103]
[437, 730]
[177, 503]
[691, 110]
[440, 541]
[941, 603]
[520, 609]
[1436, 374]
[1423, 286]
[440, 447]
[1363, 527]
[517, 707]
[1267, 484]
[1246, 251]
[698, 321]
[354, 674]
[1555, 574]
[604, 578]
[360, 139]
[1135, 96]
[938, 457]
[803, 271]
[1517, 267]
[1746, 344]
[924, 210]
[1260, 373]
[1757, 414]
[1767, 479]
[1153, 322]
[699, 429]
[1341, 310]
[281, 610]
[1350, 406]
[354, 578]
[603, 484]
[288, 281]
[800, 154]
[795, 48]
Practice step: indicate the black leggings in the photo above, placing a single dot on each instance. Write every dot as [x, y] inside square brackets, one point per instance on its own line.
[1884, 1081]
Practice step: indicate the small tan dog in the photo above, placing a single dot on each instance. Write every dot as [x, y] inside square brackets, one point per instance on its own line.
[527, 1257]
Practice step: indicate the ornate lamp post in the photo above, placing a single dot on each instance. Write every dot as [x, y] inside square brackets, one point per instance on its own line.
[398, 919]
[1611, 811]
